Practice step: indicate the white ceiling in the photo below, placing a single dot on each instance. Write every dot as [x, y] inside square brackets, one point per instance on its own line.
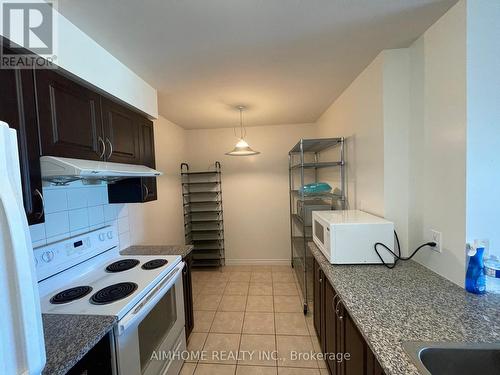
[286, 60]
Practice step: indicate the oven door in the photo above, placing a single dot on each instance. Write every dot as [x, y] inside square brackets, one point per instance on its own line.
[149, 334]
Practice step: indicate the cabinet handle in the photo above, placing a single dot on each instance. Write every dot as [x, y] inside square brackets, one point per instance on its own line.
[110, 148]
[337, 310]
[103, 147]
[146, 191]
[320, 280]
[37, 192]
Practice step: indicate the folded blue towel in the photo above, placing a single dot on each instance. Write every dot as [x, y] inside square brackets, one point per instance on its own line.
[316, 188]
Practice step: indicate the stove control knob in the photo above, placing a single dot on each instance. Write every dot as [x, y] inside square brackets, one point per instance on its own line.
[110, 235]
[48, 256]
[102, 237]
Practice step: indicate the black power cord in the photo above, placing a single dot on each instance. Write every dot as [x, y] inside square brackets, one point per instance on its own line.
[399, 257]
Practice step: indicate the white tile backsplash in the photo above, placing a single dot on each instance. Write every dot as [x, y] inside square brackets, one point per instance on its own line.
[75, 209]
[56, 223]
[77, 198]
[96, 215]
[38, 232]
[55, 200]
[97, 195]
[110, 212]
[78, 219]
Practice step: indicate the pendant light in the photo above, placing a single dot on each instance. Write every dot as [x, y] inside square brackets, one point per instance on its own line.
[242, 148]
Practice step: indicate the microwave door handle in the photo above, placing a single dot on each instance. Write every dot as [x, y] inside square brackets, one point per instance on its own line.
[139, 311]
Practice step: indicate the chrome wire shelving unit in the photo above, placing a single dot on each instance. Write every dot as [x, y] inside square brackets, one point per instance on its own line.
[305, 160]
[203, 215]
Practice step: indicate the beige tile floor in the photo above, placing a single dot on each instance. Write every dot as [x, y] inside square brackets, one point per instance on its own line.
[246, 309]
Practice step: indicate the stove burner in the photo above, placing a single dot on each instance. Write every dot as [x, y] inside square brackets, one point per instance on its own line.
[71, 294]
[155, 263]
[122, 265]
[113, 293]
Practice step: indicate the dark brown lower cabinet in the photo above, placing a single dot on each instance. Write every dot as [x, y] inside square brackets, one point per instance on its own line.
[372, 365]
[98, 360]
[340, 335]
[332, 338]
[318, 310]
[354, 344]
[188, 294]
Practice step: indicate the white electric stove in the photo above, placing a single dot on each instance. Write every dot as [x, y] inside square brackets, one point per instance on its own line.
[87, 275]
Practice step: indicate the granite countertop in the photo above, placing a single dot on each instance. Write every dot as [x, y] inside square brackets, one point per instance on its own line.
[182, 250]
[69, 337]
[410, 303]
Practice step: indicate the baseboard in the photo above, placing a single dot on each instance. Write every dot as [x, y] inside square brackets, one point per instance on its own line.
[257, 262]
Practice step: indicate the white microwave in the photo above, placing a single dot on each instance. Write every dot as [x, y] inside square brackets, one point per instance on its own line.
[348, 237]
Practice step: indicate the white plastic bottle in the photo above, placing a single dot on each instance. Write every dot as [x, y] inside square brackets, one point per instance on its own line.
[492, 271]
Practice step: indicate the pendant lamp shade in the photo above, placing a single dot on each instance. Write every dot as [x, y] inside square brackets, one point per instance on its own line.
[242, 148]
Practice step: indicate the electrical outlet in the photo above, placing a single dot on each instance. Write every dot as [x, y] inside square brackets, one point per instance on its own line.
[436, 237]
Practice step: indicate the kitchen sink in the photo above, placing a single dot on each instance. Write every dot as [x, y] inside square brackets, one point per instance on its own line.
[454, 358]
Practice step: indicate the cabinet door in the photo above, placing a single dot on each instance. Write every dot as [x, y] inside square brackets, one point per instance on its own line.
[148, 159]
[17, 108]
[69, 117]
[355, 345]
[149, 192]
[331, 330]
[373, 366]
[122, 133]
[188, 295]
[147, 143]
[319, 299]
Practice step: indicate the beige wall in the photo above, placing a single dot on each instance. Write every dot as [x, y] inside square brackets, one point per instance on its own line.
[396, 112]
[373, 115]
[255, 188]
[161, 221]
[439, 123]
[358, 115]
[404, 118]
[483, 122]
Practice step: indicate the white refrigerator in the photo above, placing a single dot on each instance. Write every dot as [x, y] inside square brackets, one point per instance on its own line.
[22, 348]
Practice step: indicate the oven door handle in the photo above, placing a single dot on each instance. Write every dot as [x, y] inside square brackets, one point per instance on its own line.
[140, 310]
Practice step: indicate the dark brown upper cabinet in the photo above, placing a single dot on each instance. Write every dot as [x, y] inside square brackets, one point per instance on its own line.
[69, 117]
[148, 158]
[138, 190]
[77, 122]
[56, 115]
[147, 143]
[122, 130]
[17, 108]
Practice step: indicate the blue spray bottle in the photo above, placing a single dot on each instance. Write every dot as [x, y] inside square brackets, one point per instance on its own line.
[475, 278]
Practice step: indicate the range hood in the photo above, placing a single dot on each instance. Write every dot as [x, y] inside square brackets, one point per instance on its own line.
[61, 171]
